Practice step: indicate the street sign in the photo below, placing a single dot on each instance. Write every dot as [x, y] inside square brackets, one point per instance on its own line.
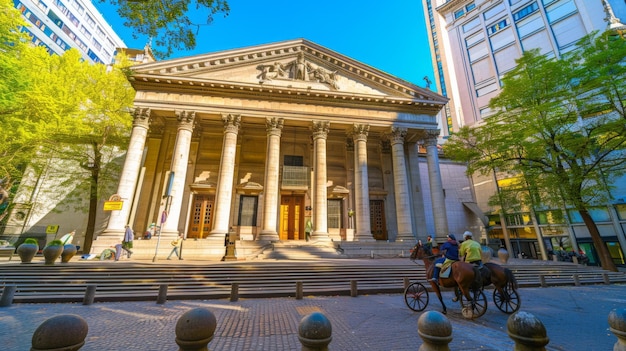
[113, 205]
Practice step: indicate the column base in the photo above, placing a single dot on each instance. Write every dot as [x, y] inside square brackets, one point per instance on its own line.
[267, 236]
[320, 237]
[168, 235]
[408, 237]
[364, 237]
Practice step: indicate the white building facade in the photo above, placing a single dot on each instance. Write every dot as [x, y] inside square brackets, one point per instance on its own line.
[59, 25]
[474, 43]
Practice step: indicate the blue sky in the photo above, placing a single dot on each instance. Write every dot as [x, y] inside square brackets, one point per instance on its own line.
[390, 36]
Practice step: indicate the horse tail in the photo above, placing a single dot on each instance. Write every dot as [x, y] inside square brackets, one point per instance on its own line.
[478, 279]
[510, 279]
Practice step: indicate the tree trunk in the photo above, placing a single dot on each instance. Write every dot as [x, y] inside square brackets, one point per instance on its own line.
[93, 201]
[603, 252]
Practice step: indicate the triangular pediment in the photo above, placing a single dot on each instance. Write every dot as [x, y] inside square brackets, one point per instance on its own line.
[297, 64]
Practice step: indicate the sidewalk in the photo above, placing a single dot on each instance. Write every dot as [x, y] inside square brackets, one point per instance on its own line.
[575, 319]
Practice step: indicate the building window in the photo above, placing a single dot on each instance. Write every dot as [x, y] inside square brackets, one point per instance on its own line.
[459, 13]
[248, 210]
[291, 160]
[471, 25]
[498, 26]
[84, 30]
[90, 21]
[526, 11]
[42, 5]
[78, 7]
[100, 32]
[470, 7]
[96, 44]
[334, 213]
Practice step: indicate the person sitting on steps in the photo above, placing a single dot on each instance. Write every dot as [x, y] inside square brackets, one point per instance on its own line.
[449, 252]
[470, 250]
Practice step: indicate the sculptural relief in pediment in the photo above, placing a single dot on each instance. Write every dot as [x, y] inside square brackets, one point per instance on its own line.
[298, 70]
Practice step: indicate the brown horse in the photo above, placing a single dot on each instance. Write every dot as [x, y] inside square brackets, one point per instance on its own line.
[505, 294]
[463, 276]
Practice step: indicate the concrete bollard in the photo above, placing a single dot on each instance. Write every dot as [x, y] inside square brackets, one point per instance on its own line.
[65, 332]
[354, 290]
[576, 279]
[299, 290]
[436, 331]
[607, 279]
[315, 332]
[542, 280]
[575, 259]
[617, 326]
[234, 292]
[162, 298]
[90, 294]
[527, 331]
[7, 295]
[195, 329]
[407, 282]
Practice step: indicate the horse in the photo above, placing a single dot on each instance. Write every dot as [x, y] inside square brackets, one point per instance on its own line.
[505, 286]
[463, 275]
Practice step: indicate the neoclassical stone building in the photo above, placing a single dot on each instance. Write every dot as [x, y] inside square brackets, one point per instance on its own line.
[257, 141]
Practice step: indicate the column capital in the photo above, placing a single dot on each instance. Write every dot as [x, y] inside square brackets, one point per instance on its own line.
[185, 119]
[274, 126]
[397, 134]
[430, 139]
[360, 132]
[320, 129]
[141, 117]
[231, 122]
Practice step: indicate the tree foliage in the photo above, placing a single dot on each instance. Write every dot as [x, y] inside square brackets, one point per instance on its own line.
[169, 22]
[560, 126]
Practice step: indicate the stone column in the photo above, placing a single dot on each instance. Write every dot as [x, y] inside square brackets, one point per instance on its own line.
[438, 199]
[274, 128]
[320, 196]
[361, 184]
[130, 172]
[180, 159]
[401, 185]
[225, 180]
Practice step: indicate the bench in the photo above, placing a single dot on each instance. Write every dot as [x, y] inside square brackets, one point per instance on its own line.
[7, 252]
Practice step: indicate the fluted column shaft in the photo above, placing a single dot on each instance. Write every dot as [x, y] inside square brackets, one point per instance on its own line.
[436, 186]
[180, 159]
[320, 196]
[361, 182]
[226, 176]
[274, 127]
[130, 172]
[401, 185]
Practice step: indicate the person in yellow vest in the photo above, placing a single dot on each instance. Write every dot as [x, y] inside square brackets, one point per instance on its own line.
[470, 250]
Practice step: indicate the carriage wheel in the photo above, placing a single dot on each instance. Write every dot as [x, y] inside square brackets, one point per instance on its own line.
[508, 301]
[416, 296]
[476, 308]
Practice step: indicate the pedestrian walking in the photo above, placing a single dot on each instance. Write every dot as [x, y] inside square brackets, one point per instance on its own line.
[308, 227]
[175, 246]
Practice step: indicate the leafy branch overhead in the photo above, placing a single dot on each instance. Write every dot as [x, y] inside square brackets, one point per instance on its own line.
[172, 24]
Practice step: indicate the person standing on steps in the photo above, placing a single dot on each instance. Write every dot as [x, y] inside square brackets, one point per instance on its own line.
[127, 242]
[175, 245]
[308, 227]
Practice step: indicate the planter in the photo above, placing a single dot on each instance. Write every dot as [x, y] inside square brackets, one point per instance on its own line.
[52, 253]
[27, 252]
[503, 255]
[486, 253]
[69, 250]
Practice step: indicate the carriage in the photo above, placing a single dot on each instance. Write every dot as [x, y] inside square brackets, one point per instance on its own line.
[468, 282]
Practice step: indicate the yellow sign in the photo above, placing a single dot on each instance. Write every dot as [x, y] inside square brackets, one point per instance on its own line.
[52, 229]
[113, 205]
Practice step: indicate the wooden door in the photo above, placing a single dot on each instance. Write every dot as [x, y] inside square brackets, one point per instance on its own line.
[377, 219]
[201, 215]
[291, 218]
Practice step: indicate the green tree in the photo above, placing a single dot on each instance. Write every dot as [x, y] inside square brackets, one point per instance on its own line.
[555, 128]
[169, 22]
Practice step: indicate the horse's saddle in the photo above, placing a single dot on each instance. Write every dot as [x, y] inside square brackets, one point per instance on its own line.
[446, 268]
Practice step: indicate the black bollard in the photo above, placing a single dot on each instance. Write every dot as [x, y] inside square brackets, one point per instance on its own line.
[315, 332]
[354, 290]
[299, 290]
[527, 331]
[162, 294]
[7, 295]
[436, 331]
[90, 294]
[65, 332]
[234, 292]
[195, 329]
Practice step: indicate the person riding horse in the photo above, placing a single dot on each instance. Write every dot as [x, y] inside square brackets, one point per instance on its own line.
[470, 250]
[450, 253]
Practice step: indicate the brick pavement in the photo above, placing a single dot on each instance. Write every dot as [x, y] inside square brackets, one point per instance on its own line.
[575, 318]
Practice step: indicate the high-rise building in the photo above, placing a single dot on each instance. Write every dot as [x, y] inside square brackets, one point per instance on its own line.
[60, 25]
[474, 43]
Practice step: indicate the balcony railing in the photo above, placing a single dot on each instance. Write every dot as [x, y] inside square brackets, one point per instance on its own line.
[295, 176]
